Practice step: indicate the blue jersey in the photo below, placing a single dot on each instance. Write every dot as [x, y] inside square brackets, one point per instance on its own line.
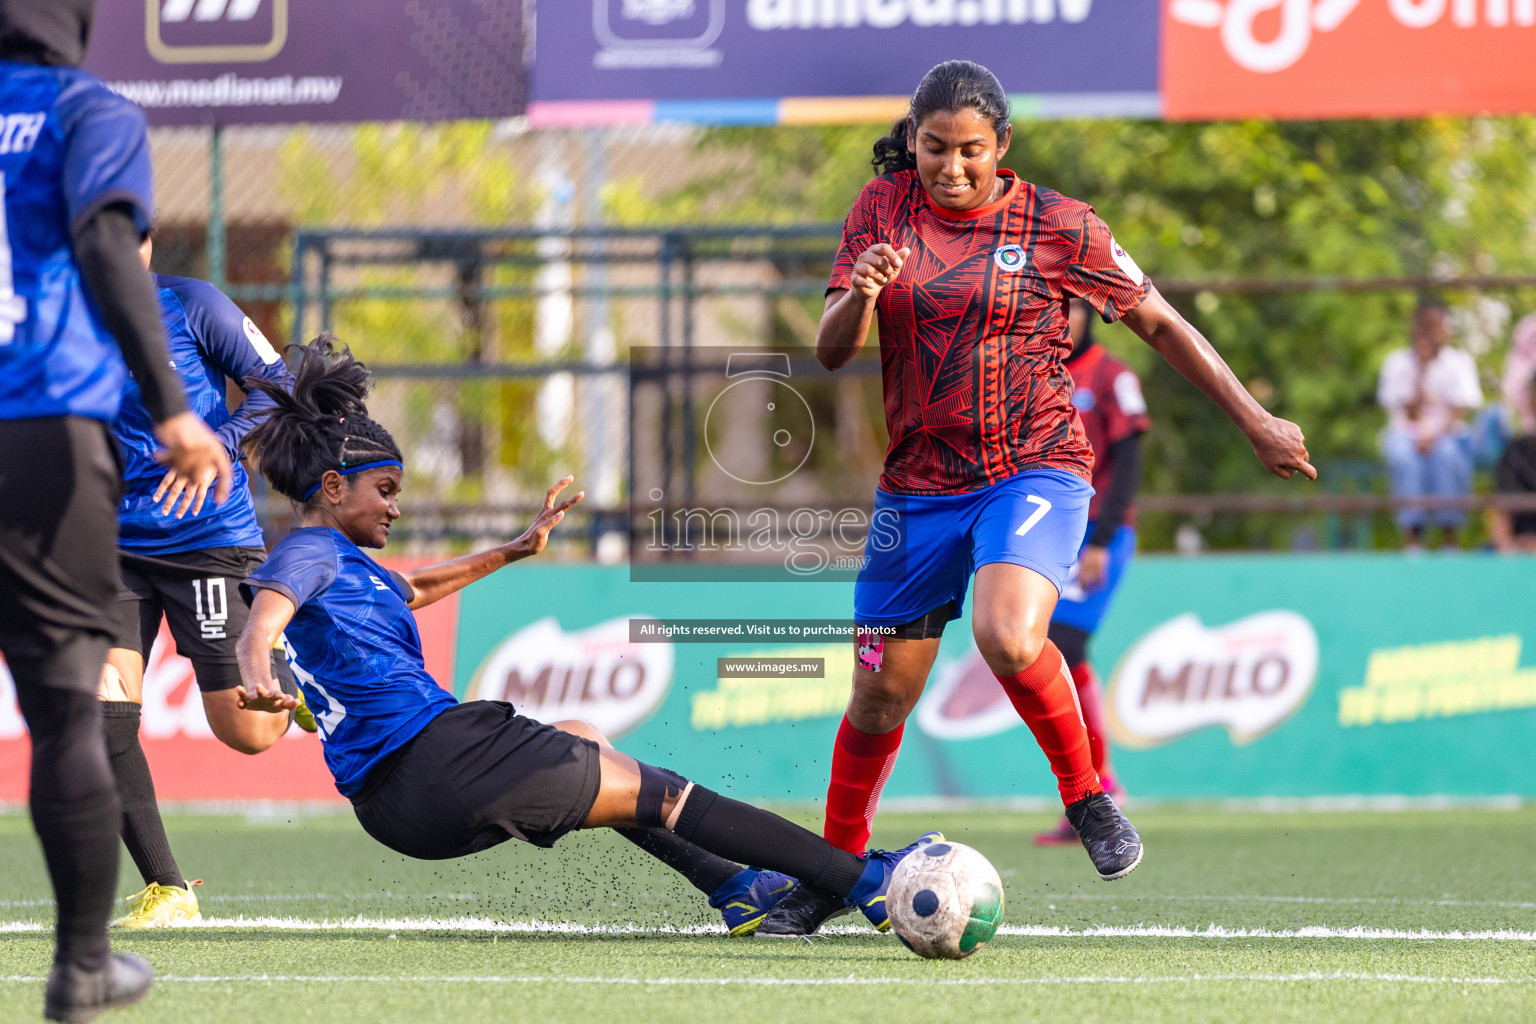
[68, 148]
[354, 649]
[210, 339]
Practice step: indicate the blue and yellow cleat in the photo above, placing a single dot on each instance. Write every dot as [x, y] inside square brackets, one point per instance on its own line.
[748, 897]
[868, 895]
[302, 716]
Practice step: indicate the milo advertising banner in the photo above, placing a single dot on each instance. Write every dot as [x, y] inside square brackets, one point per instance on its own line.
[1238, 676]
[1228, 676]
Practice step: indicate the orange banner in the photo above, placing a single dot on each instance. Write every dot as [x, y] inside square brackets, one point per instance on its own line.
[1293, 59]
[187, 762]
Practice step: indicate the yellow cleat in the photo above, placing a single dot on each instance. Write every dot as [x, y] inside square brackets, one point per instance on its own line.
[303, 717]
[162, 906]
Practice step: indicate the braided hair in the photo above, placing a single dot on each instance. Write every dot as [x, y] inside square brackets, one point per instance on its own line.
[954, 85]
[321, 425]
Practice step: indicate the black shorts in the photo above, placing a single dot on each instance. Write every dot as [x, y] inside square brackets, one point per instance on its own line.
[478, 775]
[198, 593]
[59, 487]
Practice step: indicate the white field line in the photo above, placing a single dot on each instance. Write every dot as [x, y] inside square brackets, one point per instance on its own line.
[1385, 901]
[926, 982]
[488, 925]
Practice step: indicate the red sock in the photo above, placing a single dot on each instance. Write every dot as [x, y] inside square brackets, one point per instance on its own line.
[1047, 701]
[1091, 699]
[860, 765]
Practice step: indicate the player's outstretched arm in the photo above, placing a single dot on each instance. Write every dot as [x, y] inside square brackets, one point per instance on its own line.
[435, 582]
[846, 317]
[107, 250]
[258, 691]
[1278, 443]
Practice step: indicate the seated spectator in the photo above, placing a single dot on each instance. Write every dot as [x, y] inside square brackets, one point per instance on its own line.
[1428, 389]
[1516, 531]
[1519, 365]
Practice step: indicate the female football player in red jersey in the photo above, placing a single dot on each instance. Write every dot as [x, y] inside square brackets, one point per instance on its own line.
[968, 271]
[1107, 396]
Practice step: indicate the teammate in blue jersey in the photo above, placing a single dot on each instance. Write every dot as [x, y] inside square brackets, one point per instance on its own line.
[182, 560]
[432, 778]
[75, 304]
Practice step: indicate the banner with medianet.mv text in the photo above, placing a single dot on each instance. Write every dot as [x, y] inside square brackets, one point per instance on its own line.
[195, 62]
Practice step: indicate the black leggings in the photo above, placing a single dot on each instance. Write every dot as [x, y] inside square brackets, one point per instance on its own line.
[74, 799]
[58, 585]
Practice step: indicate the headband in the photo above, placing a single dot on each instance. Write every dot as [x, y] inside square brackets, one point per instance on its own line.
[349, 470]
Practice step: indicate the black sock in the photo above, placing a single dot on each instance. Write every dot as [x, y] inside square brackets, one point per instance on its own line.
[143, 831]
[704, 870]
[741, 832]
[74, 805]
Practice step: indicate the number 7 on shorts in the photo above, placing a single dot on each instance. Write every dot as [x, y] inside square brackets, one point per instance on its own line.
[1036, 516]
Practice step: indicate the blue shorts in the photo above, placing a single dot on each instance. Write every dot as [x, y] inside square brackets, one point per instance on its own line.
[1084, 609]
[1035, 519]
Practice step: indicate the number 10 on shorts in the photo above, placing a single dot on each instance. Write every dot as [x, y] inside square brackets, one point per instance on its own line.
[211, 604]
[1042, 508]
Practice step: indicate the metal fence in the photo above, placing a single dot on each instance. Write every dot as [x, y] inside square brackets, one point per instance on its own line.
[503, 353]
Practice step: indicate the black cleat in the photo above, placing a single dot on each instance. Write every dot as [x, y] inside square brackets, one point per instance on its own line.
[1107, 835]
[801, 912]
[76, 996]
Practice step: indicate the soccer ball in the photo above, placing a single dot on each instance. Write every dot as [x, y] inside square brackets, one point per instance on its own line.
[945, 901]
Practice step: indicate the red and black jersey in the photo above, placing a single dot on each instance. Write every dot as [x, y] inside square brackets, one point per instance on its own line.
[1107, 395]
[974, 328]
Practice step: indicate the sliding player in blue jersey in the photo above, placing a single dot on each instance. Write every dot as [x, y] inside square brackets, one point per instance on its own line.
[182, 560]
[432, 778]
[75, 305]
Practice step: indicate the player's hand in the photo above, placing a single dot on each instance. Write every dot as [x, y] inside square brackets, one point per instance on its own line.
[263, 699]
[1091, 566]
[1282, 449]
[536, 536]
[193, 452]
[192, 493]
[876, 268]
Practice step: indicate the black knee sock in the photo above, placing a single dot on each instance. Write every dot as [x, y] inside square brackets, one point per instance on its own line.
[704, 870]
[143, 831]
[74, 804]
[741, 832]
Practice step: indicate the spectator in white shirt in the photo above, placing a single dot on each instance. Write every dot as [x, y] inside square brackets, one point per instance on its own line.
[1428, 390]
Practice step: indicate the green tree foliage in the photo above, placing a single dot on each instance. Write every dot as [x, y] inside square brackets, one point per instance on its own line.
[1200, 202]
[388, 175]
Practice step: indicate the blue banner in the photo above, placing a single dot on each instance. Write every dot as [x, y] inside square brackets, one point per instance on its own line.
[729, 60]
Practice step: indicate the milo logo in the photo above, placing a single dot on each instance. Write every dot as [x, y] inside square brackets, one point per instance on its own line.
[965, 702]
[1248, 677]
[594, 674]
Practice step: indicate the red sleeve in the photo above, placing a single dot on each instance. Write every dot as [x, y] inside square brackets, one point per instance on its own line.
[859, 233]
[1104, 273]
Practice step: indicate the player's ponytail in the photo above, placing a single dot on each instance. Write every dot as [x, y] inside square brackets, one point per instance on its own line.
[321, 425]
[954, 85]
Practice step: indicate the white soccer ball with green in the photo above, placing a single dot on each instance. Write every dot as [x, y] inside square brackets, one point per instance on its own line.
[945, 901]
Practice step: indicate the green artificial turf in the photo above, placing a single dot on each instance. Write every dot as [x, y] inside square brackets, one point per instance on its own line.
[449, 955]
